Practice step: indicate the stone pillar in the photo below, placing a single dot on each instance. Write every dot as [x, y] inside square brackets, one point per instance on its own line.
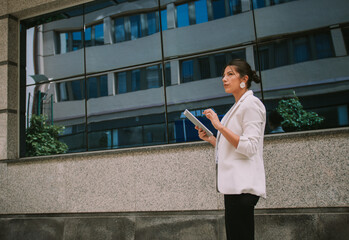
[8, 87]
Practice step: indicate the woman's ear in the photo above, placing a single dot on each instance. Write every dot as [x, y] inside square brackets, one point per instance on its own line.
[245, 78]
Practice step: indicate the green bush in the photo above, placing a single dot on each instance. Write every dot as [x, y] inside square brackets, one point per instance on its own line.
[295, 117]
[42, 138]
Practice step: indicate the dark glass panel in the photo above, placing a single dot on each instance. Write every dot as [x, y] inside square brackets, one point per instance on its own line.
[218, 9]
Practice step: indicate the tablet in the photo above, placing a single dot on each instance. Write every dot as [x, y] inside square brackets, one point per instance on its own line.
[196, 122]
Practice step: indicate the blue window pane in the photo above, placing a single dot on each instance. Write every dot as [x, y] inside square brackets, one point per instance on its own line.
[164, 20]
[218, 9]
[264, 58]
[78, 89]
[151, 17]
[201, 11]
[119, 30]
[258, 4]
[182, 15]
[99, 34]
[88, 37]
[235, 7]
[135, 27]
[281, 54]
[301, 50]
[103, 85]
[92, 87]
[153, 77]
[221, 62]
[187, 71]
[77, 42]
[122, 82]
[323, 45]
[136, 80]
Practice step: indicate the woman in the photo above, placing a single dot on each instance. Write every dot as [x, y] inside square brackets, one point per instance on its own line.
[239, 150]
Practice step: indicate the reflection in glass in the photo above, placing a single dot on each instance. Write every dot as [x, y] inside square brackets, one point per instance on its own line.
[164, 20]
[152, 26]
[182, 15]
[135, 27]
[218, 7]
[323, 45]
[77, 40]
[120, 34]
[121, 83]
[301, 50]
[124, 92]
[235, 7]
[201, 11]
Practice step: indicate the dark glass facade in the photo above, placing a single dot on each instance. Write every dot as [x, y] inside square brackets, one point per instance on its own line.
[120, 74]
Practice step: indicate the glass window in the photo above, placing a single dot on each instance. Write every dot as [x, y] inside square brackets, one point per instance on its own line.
[281, 53]
[323, 43]
[77, 40]
[153, 80]
[201, 11]
[151, 18]
[92, 87]
[121, 82]
[136, 30]
[120, 34]
[78, 89]
[218, 7]
[63, 93]
[258, 4]
[204, 65]
[88, 36]
[235, 7]
[98, 34]
[103, 85]
[221, 62]
[131, 136]
[135, 80]
[182, 15]
[99, 140]
[301, 49]
[164, 20]
[187, 71]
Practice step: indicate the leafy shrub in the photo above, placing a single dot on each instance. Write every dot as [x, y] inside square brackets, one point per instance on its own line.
[42, 138]
[295, 117]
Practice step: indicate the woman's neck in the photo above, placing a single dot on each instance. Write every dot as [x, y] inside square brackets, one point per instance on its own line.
[238, 95]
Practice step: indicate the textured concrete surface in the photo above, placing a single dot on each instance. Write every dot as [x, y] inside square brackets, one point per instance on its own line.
[303, 171]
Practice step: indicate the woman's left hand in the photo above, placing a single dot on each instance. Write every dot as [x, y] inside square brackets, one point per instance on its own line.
[213, 117]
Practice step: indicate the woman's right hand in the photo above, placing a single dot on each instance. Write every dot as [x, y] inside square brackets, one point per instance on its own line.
[203, 136]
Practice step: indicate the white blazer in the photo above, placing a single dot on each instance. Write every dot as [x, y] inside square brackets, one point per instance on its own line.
[241, 169]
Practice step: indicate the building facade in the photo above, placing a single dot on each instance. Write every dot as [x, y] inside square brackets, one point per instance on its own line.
[118, 76]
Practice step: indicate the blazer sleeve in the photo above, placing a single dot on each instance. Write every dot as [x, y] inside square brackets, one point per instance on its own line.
[253, 123]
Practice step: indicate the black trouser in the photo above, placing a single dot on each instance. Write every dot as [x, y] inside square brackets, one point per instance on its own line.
[239, 216]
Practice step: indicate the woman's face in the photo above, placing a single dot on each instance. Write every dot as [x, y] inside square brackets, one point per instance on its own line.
[231, 80]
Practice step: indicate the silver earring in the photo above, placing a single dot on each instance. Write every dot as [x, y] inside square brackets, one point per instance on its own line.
[242, 85]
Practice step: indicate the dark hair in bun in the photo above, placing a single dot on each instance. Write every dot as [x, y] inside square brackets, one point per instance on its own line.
[243, 68]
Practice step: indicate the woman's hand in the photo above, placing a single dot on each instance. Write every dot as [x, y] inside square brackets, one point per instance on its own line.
[203, 136]
[213, 117]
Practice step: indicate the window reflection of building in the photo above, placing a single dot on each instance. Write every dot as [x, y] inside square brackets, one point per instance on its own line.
[124, 79]
[295, 50]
